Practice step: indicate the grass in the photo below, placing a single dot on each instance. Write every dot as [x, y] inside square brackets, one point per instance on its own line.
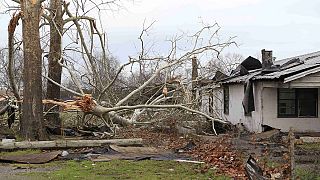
[20, 152]
[120, 169]
[310, 146]
[305, 174]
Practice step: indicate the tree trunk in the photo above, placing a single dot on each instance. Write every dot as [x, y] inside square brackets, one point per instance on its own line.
[54, 69]
[31, 124]
[69, 143]
[194, 83]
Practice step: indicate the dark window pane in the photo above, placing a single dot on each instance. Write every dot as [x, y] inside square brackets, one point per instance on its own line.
[302, 102]
[307, 102]
[226, 100]
[287, 107]
[287, 103]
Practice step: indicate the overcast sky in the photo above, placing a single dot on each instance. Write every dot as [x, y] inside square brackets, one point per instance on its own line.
[288, 27]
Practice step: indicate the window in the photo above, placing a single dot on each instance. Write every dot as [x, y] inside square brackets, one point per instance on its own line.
[250, 100]
[301, 102]
[226, 100]
[211, 102]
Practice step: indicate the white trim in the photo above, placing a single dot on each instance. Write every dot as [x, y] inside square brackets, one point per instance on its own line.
[302, 74]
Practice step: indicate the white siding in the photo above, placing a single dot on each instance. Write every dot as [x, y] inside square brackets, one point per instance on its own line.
[236, 111]
[313, 80]
[270, 115]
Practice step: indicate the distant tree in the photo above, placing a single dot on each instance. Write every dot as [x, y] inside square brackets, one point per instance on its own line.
[224, 63]
[54, 58]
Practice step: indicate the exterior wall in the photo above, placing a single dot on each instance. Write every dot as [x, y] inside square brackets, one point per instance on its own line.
[265, 96]
[236, 111]
[270, 112]
[205, 102]
[313, 80]
[217, 103]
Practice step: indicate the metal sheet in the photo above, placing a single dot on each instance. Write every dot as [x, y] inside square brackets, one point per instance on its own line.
[31, 158]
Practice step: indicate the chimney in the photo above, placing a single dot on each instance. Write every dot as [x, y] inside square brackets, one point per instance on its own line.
[267, 59]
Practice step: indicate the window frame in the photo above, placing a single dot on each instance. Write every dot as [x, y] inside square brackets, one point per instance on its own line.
[297, 93]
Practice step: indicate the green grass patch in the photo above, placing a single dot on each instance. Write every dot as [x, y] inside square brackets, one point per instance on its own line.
[272, 164]
[310, 146]
[306, 174]
[120, 169]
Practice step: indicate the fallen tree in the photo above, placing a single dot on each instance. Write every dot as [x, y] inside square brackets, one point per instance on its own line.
[95, 73]
[87, 105]
[68, 143]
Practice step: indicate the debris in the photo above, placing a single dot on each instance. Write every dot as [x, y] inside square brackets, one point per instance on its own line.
[31, 158]
[185, 130]
[220, 154]
[275, 176]
[136, 154]
[8, 141]
[266, 135]
[109, 157]
[136, 150]
[61, 131]
[188, 147]
[68, 143]
[310, 139]
[253, 171]
[189, 161]
[64, 153]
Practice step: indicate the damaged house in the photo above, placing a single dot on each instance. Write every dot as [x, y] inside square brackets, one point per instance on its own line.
[278, 94]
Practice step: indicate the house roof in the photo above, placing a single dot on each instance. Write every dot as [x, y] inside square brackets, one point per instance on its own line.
[288, 69]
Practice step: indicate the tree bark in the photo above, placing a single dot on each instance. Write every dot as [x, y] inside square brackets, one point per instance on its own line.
[31, 125]
[54, 69]
[69, 143]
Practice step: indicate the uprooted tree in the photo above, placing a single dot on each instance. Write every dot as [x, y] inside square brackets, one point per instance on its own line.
[162, 72]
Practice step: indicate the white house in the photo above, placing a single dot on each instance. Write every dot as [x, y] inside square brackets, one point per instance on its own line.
[279, 94]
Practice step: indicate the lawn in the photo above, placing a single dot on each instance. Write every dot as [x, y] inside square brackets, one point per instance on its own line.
[121, 169]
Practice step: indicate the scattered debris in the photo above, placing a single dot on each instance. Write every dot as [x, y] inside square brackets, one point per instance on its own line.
[220, 155]
[31, 158]
[267, 135]
[61, 131]
[253, 170]
[64, 153]
[137, 154]
[4, 141]
[189, 161]
[187, 147]
[310, 139]
[137, 150]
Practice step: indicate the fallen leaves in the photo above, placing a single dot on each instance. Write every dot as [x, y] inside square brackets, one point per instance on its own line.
[220, 155]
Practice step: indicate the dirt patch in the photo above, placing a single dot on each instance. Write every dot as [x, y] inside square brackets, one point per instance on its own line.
[9, 171]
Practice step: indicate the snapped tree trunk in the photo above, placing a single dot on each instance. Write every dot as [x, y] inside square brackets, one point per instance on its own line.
[54, 69]
[31, 124]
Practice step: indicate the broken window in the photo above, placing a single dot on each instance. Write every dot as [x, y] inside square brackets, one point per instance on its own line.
[226, 100]
[249, 99]
[302, 102]
[211, 102]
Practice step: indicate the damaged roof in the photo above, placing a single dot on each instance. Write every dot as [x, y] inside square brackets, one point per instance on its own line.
[289, 68]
